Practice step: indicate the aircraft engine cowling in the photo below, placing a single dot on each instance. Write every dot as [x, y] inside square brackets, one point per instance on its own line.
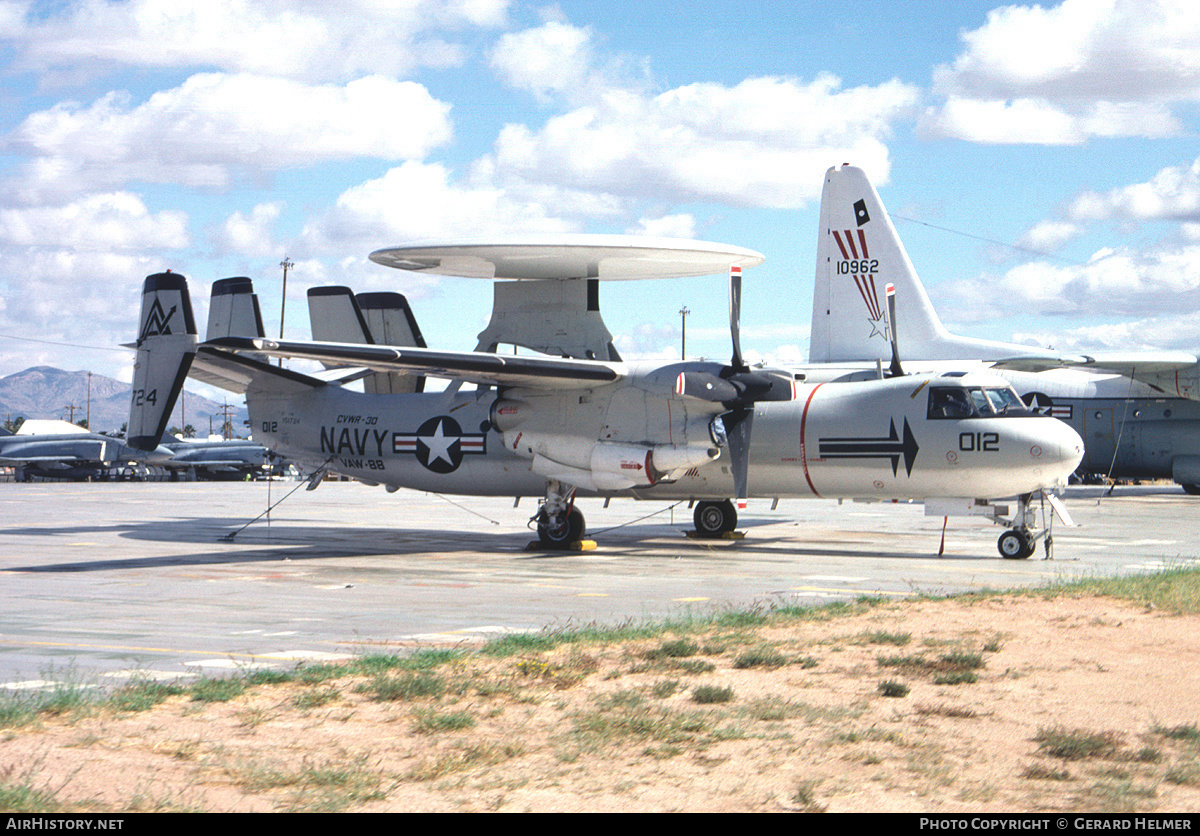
[613, 466]
[508, 414]
[671, 457]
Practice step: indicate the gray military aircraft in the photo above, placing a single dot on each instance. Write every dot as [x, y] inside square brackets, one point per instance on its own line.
[61, 450]
[216, 458]
[575, 419]
[1135, 427]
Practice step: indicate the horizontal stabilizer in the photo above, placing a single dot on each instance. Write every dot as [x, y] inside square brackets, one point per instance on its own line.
[236, 372]
[472, 366]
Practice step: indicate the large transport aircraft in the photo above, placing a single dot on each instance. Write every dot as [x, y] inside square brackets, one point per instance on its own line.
[574, 419]
[1139, 426]
[61, 450]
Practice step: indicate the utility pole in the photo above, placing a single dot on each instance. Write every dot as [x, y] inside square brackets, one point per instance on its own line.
[89, 401]
[683, 315]
[285, 264]
[226, 424]
[71, 410]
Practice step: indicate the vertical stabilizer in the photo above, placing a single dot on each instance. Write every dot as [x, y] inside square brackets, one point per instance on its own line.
[337, 315]
[166, 344]
[233, 310]
[858, 255]
[390, 321]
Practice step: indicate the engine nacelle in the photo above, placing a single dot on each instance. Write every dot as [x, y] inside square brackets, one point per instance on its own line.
[615, 467]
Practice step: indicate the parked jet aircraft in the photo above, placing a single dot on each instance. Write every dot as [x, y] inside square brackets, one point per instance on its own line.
[1131, 427]
[576, 419]
[216, 458]
[61, 450]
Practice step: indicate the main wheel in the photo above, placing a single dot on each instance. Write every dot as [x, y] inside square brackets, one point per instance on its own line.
[1015, 545]
[569, 529]
[713, 519]
[1194, 490]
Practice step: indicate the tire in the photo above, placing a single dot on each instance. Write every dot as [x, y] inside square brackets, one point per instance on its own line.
[561, 536]
[1194, 490]
[712, 519]
[1014, 545]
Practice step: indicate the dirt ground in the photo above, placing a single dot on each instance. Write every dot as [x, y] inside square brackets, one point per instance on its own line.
[1079, 703]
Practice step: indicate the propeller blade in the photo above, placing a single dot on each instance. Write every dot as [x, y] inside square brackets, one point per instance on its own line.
[735, 315]
[737, 427]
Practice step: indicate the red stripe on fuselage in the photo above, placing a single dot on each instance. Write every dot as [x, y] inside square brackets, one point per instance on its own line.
[803, 449]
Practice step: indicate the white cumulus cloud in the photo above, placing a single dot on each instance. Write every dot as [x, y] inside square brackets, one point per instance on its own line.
[306, 40]
[1061, 74]
[763, 142]
[214, 124]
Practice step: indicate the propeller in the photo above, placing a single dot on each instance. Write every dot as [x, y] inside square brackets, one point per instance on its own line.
[738, 389]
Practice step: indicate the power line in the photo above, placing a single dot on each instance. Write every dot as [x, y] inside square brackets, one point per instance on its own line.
[68, 345]
[1018, 248]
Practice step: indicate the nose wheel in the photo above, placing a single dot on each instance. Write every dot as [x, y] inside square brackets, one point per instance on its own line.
[1016, 544]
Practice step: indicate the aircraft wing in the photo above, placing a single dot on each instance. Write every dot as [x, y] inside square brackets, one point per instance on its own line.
[538, 372]
[1121, 362]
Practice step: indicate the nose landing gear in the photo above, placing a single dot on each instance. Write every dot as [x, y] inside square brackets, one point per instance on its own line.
[1020, 541]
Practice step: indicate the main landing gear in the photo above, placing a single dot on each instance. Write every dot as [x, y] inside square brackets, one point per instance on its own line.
[714, 519]
[560, 525]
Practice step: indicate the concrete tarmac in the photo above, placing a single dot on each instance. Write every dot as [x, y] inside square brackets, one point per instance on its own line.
[118, 579]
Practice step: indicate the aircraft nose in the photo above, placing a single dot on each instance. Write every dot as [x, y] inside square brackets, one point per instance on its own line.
[1061, 448]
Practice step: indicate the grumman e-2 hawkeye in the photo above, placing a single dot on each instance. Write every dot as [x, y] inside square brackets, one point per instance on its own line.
[575, 419]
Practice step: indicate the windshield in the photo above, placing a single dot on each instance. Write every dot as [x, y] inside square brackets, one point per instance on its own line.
[974, 402]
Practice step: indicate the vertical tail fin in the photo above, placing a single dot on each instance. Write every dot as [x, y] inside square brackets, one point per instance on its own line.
[390, 321]
[335, 317]
[338, 315]
[166, 344]
[858, 254]
[233, 310]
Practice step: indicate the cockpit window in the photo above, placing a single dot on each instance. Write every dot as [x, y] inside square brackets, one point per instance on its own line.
[946, 402]
[1005, 401]
[976, 402]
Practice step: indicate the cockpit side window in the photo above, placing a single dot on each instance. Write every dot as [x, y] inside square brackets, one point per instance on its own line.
[1006, 402]
[949, 402]
[983, 406]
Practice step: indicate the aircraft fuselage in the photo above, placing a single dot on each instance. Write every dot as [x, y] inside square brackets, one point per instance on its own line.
[874, 440]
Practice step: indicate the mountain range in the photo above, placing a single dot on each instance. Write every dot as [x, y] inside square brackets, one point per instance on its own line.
[47, 392]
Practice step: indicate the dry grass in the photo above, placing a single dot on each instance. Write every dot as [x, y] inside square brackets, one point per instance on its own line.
[1078, 703]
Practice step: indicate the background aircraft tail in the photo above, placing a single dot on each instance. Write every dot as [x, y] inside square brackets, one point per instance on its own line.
[337, 315]
[858, 254]
[166, 345]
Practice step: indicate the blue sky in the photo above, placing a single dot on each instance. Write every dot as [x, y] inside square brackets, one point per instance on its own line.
[1042, 161]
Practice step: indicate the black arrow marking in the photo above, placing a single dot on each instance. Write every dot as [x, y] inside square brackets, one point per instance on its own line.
[892, 447]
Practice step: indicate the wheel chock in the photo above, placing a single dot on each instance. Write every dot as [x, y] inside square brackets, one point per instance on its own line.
[728, 535]
[577, 546]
